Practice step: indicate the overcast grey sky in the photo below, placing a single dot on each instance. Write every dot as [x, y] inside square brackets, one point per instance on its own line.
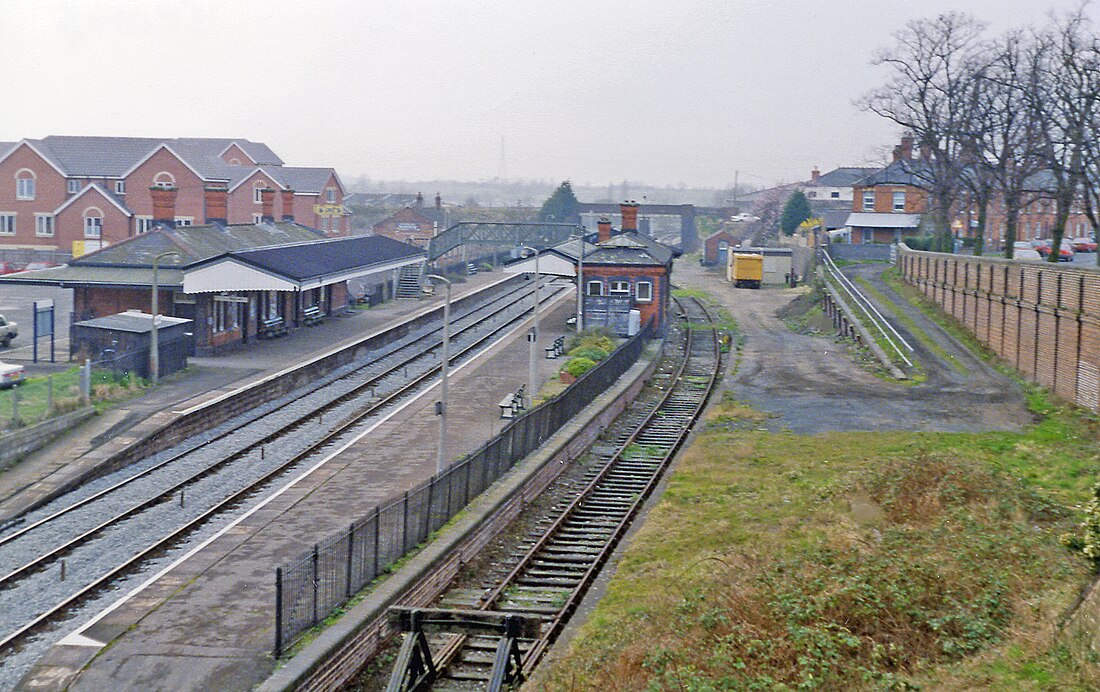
[647, 90]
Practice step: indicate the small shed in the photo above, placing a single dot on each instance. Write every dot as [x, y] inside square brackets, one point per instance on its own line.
[121, 342]
[716, 248]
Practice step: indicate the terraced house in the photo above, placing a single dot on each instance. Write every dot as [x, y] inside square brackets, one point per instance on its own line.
[79, 194]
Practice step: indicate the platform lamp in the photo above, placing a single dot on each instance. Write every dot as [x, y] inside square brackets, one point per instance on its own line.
[580, 284]
[533, 337]
[441, 406]
[154, 344]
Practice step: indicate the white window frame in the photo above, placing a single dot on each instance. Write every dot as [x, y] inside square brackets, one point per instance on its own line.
[93, 227]
[143, 224]
[164, 184]
[73, 186]
[638, 291]
[618, 287]
[899, 200]
[120, 187]
[25, 186]
[596, 284]
[43, 225]
[834, 194]
[257, 193]
[257, 218]
[185, 220]
[330, 195]
[7, 222]
[868, 200]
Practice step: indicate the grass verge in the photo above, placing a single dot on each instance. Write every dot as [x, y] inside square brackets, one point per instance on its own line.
[851, 561]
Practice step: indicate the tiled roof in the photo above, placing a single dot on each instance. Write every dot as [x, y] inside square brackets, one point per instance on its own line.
[196, 243]
[311, 260]
[299, 179]
[902, 172]
[98, 276]
[843, 177]
[630, 248]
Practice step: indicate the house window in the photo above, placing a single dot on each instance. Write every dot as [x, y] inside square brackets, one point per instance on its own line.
[899, 200]
[595, 288]
[43, 225]
[330, 195]
[164, 180]
[643, 291]
[811, 194]
[120, 187]
[143, 224]
[7, 223]
[869, 200]
[24, 184]
[93, 225]
[834, 195]
[185, 220]
[258, 193]
[227, 314]
[257, 218]
[74, 186]
[619, 288]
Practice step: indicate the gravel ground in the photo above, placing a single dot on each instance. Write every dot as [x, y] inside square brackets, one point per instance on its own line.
[813, 384]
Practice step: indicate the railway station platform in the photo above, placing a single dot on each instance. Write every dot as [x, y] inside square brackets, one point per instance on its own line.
[41, 474]
[208, 621]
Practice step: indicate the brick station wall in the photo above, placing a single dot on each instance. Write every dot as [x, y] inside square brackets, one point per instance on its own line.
[1041, 318]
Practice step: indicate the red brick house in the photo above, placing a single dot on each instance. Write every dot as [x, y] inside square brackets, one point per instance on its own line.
[45, 203]
[415, 225]
[716, 247]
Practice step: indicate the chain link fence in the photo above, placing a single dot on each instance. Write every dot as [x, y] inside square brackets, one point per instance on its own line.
[312, 586]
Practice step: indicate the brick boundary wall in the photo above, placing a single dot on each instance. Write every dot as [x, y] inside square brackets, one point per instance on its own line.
[1042, 319]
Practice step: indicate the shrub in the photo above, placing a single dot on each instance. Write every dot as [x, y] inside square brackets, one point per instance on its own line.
[578, 366]
[589, 352]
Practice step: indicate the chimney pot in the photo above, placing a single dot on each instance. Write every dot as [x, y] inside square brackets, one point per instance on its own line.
[815, 174]
[907, 147]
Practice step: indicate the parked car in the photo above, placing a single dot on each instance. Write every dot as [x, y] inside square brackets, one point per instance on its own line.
[8, 331]
[1084, 245]
[10, 375]
[10, 268]
[1022, 251]
[1065, 252]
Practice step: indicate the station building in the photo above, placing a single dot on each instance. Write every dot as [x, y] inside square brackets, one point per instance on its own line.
[235, 283]
[623, 271]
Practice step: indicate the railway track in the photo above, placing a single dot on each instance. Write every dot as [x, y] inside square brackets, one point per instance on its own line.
[555, 568]
[104, 533]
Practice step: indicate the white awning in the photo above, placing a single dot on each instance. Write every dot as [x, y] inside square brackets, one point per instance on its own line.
[231, 275]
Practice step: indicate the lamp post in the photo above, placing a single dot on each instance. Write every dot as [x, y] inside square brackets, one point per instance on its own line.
[580, 286]
[532, 337]
[441, 408]
[154, 345]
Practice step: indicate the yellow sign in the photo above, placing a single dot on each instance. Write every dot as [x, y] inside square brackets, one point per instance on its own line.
[328, 210]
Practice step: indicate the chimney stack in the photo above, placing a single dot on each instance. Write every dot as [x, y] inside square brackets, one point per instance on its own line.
[814, 175]
[925, 153]
[438, 202]
[897, 154]
[217, 201]
[907, 147]
[419, 201]
[629, 211]
[288, 204]
[603, 229]
[267, 198]
[164, 205]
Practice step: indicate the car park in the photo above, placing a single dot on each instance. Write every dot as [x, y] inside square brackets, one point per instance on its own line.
[10, 375]
[1022, 251]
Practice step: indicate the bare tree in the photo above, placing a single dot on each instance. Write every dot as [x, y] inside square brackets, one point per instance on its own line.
[929, 94]
[1002, 133]
[1062, 94]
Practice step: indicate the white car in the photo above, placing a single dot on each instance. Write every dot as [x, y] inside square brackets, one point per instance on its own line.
[10, 375]
[1022, 251]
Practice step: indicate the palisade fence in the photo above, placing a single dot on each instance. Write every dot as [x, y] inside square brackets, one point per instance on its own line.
[309, 588]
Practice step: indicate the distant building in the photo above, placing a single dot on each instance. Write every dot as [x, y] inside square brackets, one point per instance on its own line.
[415, 224]
[80, 194]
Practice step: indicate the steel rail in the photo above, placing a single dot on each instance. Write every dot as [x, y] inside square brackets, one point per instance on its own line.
[43, 619]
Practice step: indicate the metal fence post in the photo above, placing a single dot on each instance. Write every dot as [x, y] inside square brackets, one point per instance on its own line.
[278, 612]
[316, 559]
[377, 531]
[405, 524]
[15, 404]
[86, 382]
[428, 528]
[351, 544]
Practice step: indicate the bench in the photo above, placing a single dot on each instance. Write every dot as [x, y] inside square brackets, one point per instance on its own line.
[312, 315]
[511, 404]
[272, 327]
[556, 349]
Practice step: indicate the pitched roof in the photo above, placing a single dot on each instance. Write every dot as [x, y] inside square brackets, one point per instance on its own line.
[195, 243]
[300, 179]
[631, 248]
[913, 172]
[304, 261]
[842, 177]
